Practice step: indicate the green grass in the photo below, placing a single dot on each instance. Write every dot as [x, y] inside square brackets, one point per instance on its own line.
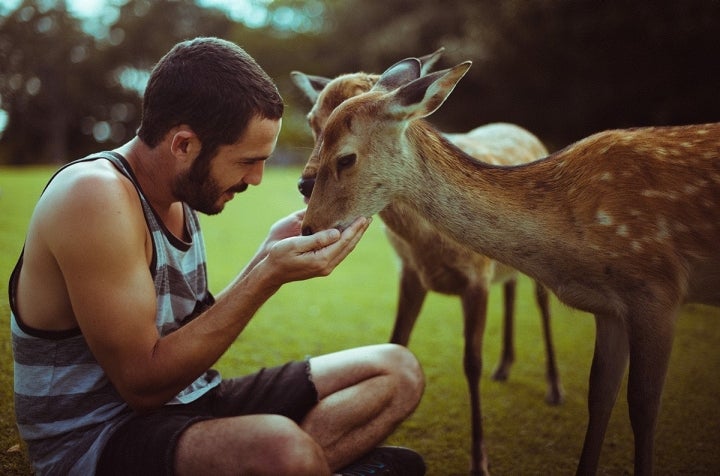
[356, 305]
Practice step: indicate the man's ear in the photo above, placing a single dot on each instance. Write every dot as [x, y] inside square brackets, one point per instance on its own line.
[184, 144]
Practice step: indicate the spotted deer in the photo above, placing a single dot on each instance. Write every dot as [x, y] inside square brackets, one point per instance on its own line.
[624, 224]
[430, 261]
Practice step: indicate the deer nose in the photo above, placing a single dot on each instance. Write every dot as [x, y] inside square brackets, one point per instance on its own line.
[305, 185]
[307, 231]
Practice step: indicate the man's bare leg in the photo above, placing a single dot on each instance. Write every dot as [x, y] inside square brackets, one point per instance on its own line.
[269, 445]
[364, 393]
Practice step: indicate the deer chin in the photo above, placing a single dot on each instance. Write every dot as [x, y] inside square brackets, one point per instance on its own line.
[343, 225]
[340, 225]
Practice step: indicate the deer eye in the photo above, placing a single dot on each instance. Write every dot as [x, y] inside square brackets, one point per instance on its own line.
[346, 161]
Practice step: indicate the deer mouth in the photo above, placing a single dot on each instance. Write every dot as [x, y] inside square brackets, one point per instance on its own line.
[307, 230]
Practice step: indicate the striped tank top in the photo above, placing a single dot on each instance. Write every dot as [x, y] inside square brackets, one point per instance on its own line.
[65, 406]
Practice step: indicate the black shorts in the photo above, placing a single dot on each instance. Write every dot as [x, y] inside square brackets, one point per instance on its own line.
[145, 445]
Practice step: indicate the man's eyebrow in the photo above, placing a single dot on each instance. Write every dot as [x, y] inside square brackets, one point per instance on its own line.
[255, 159]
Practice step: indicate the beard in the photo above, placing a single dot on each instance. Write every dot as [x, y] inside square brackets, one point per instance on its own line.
[201, 191]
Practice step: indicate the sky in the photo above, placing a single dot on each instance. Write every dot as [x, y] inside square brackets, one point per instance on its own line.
[81, 8]
[236, 9]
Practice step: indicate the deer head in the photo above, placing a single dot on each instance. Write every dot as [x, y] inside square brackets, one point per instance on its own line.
[363, 143]
[326, 94]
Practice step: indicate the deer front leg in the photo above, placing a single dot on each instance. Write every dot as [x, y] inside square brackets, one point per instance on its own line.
[410, 300]
[555, 393]
[475, 302]
[608, 367]
[507, 354]
[651, 341]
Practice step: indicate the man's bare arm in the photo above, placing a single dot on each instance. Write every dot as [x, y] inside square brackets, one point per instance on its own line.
[98, 239]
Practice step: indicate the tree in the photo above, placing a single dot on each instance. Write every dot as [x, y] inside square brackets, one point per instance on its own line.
[40, 52]
[564, 69]
[65, 90]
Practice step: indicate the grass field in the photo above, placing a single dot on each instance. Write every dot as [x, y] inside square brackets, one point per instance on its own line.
[356, 305]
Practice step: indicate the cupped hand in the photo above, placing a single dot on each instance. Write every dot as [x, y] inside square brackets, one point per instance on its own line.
[295, 257]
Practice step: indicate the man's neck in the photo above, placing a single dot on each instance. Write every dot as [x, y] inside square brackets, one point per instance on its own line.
[154, 175]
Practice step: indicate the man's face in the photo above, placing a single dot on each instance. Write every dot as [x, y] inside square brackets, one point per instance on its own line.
[209, 184]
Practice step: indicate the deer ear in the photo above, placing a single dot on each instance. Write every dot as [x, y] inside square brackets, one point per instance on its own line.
[423, 96]
[398, 74]
[311, 86]
[428, 61]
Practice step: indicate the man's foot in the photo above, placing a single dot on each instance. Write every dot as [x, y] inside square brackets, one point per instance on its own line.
[387, 461]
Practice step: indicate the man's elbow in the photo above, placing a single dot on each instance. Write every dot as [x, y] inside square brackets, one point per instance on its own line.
[142, 399]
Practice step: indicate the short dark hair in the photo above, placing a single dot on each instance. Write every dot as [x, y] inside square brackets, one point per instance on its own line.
[211, 85]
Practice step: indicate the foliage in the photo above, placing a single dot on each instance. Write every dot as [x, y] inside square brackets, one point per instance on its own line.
[563, 69]
[355, 306]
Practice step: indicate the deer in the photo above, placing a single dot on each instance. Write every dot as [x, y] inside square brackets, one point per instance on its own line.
[623, 224]
[431, 261]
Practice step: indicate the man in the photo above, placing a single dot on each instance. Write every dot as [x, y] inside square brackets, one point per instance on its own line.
[115, 331]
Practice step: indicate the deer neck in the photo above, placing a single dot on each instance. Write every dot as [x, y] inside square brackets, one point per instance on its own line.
[503, 213]
[592, 221]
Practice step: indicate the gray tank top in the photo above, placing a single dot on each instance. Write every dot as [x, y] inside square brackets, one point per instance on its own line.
[66, 408]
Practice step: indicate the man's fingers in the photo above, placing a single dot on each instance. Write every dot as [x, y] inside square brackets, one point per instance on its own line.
[323, 239]
[349, 239]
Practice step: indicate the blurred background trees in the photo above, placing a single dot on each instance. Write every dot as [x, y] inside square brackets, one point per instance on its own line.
[71, 84]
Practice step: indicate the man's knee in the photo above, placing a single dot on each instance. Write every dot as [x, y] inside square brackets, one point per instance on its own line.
[292, 451]
[406, 369]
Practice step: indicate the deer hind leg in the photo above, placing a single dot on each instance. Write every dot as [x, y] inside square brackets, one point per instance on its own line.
[474, 301]
[555, 393]
[410, 300]
[608, 368]
[651, 339]
[507, 354]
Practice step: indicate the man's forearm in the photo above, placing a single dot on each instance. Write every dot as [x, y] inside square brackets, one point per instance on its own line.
[182, 356]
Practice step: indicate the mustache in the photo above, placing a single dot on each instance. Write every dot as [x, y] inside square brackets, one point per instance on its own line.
[239, 188]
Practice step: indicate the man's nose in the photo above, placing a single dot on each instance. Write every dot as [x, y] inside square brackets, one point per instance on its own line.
[254, 177]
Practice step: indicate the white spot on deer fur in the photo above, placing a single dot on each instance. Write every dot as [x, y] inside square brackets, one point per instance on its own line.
[663, 232]
[622, 230]
[606, 176]
[652, 193]
[691, 189]
[681, 227]
[636, 246]
[603, 218]
[701, 132]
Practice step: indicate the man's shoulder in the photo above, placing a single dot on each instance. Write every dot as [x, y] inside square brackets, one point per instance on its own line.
[83, 183]
[92, 198]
